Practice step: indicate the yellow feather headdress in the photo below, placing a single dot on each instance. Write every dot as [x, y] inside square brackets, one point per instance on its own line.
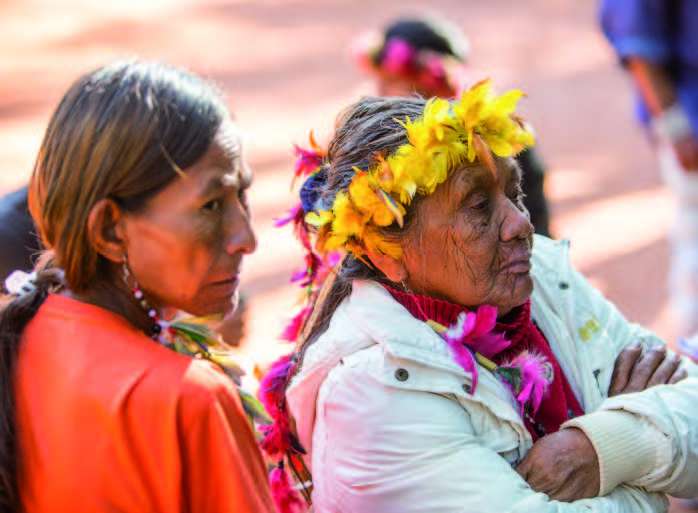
[448, 133]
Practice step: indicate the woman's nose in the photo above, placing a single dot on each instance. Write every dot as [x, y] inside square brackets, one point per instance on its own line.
[517, 223]
[241, 237]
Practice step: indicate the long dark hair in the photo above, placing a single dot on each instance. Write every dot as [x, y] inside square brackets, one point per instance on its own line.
[124, 132]
[364, 131]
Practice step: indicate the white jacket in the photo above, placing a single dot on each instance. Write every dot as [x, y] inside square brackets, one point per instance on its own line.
[391, 426]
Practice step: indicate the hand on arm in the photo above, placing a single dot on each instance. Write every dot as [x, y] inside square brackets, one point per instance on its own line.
[564, 465]
[418, 452]
[645, 438]
[636, 370]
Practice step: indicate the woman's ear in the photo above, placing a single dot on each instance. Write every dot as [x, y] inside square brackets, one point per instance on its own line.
[393, 269]
[105, 230]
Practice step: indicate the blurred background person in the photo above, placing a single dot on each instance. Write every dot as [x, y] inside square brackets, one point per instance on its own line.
[18, 242]
[428, 56]
[657, 42]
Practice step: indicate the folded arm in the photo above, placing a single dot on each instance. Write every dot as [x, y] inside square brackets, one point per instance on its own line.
[389, 449]
[647, 438]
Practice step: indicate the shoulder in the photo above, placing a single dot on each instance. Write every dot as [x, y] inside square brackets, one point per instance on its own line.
[202, 385]
[207, 395]
[370, 386]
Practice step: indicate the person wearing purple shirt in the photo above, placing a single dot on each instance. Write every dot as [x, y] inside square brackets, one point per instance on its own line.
[657, 42]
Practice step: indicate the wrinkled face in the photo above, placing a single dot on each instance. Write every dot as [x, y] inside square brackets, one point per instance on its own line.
[471, 241]
[185, 248]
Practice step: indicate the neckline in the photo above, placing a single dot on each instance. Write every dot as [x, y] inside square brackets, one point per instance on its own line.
[61, 304]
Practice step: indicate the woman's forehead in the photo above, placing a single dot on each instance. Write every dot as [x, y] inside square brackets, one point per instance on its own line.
[471, 177]
[508, 171]
[223, 160]
[220, 167]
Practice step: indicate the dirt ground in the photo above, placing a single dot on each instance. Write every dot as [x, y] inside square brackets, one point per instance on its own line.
[285, 69]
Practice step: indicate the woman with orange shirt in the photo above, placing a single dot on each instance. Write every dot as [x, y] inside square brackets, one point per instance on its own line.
[138, 192]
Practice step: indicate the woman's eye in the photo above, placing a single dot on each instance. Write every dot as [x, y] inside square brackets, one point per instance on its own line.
[213, 205]
[480, 204]
[517, 197]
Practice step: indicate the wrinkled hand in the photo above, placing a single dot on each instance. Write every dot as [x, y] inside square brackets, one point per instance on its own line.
[686, 150]
[562, 465]
[636, 370]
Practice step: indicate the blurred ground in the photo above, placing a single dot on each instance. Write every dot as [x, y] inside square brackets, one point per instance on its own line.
[285, 69]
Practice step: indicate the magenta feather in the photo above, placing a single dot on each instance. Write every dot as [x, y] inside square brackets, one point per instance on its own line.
[273, 385]
[456, 339]
[307, 161]
[464, 357]
[534, 379]
[286, 499]
[277, 436]
[483, 339]
[275, 440]
[295, 325]
[309, 274]
[473, 333]
[291, 216]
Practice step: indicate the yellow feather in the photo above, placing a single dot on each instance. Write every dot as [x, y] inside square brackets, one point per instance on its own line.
[475, 126]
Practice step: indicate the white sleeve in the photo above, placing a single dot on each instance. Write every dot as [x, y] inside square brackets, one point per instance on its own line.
[650, 438]
[381, 449]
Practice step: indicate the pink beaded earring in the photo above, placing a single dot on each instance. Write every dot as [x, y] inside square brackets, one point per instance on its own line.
[131, 282]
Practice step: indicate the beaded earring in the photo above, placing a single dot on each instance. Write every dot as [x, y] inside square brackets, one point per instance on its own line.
[130, 281]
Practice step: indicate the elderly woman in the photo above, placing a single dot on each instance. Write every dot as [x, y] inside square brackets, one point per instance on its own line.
[456, 362]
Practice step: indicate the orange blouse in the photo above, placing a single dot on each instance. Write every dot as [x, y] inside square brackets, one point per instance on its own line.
[110, 421]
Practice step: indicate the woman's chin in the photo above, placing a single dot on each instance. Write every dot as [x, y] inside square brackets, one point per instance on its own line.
[523, 289]
[214, 306]
[517, 292]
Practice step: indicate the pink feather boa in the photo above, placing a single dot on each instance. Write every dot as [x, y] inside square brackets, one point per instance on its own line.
[535, 379]
[472, 333]
[278, 437]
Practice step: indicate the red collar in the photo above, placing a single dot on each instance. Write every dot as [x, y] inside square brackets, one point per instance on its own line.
[444, 312]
